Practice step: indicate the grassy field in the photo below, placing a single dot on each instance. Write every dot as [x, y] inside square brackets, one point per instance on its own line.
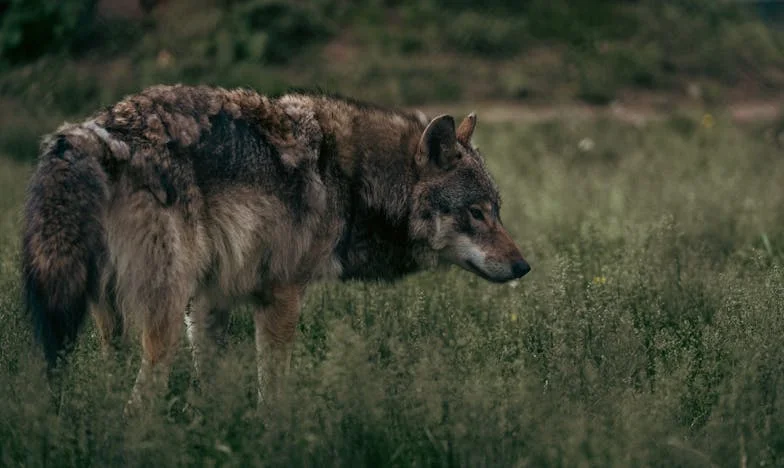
[649, 332]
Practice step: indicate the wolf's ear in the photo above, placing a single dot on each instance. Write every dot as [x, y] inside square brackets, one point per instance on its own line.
[438, 143]
[466, 129]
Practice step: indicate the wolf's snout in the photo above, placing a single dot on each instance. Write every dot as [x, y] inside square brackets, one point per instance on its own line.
[520, 268]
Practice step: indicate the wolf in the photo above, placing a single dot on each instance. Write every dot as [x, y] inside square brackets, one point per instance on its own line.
[170, 207]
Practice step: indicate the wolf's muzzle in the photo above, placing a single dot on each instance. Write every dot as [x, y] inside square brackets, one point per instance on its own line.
[520, 268]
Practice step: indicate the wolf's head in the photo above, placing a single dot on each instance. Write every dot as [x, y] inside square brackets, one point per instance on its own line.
[456, 204]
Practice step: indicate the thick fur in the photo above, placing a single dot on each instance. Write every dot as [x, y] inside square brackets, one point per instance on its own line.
[203, 196]
[64, 242]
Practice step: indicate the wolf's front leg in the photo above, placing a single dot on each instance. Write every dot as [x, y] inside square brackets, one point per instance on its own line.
[276, 326]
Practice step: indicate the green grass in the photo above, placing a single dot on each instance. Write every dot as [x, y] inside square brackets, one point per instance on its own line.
[648, 333]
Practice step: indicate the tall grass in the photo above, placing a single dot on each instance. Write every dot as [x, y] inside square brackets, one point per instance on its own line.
[648, 333]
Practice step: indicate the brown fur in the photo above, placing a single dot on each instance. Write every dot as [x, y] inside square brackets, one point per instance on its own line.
[206, 196]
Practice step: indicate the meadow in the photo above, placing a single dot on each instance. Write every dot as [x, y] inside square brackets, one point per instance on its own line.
[648, 333]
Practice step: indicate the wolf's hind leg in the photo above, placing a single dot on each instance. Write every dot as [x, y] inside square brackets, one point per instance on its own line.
[156, 257]
[159, 344]
[108, 320]
[205, 327]
[111, 333]
[276, 326]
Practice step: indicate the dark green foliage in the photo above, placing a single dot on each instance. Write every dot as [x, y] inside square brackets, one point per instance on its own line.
[492, 49]
[475, 33]
[274, 31]
[31, 28]
[598, 84]
[580, 23]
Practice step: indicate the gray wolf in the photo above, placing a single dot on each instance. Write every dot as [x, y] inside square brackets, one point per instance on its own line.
[193, 199]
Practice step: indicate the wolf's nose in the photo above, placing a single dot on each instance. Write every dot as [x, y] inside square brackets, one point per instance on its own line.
[520, 268]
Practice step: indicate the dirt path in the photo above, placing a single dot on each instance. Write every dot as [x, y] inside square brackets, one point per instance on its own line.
[740, 112]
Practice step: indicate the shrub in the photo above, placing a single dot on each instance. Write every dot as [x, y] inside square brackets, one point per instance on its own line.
[31, 28]
[597, 84]
[474, 33]
[639, 66]
[274, 31]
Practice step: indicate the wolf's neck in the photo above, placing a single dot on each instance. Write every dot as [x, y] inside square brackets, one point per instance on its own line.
[376, 160]
[375, 153]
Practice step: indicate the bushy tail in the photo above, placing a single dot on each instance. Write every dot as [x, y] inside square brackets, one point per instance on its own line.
[64, 241]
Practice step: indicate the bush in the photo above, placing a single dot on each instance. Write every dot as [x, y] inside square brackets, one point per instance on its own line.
[598, 85]
[579, 22]
[474, 33]
[639, 66]
[722, 40]
[31, 28]
[274, 31]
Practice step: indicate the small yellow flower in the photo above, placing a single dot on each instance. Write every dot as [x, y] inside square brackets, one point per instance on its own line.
[599, 280]
[708, 121]
[513, 317]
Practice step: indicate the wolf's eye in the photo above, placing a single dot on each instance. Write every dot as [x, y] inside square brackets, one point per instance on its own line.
[477, 214]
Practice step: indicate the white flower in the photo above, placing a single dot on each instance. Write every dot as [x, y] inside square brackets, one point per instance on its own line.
[586, 145]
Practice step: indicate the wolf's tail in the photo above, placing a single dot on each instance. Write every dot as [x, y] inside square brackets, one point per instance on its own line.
[64, 244]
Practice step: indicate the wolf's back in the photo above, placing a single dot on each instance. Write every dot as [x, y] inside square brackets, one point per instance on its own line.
[64, 242]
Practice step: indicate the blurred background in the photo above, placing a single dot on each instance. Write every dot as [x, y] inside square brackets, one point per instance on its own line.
[64, 58]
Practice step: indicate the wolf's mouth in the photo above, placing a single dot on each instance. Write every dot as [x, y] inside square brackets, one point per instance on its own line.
[471, 266]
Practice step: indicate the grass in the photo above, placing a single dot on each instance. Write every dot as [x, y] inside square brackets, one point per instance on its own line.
[648, 333]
